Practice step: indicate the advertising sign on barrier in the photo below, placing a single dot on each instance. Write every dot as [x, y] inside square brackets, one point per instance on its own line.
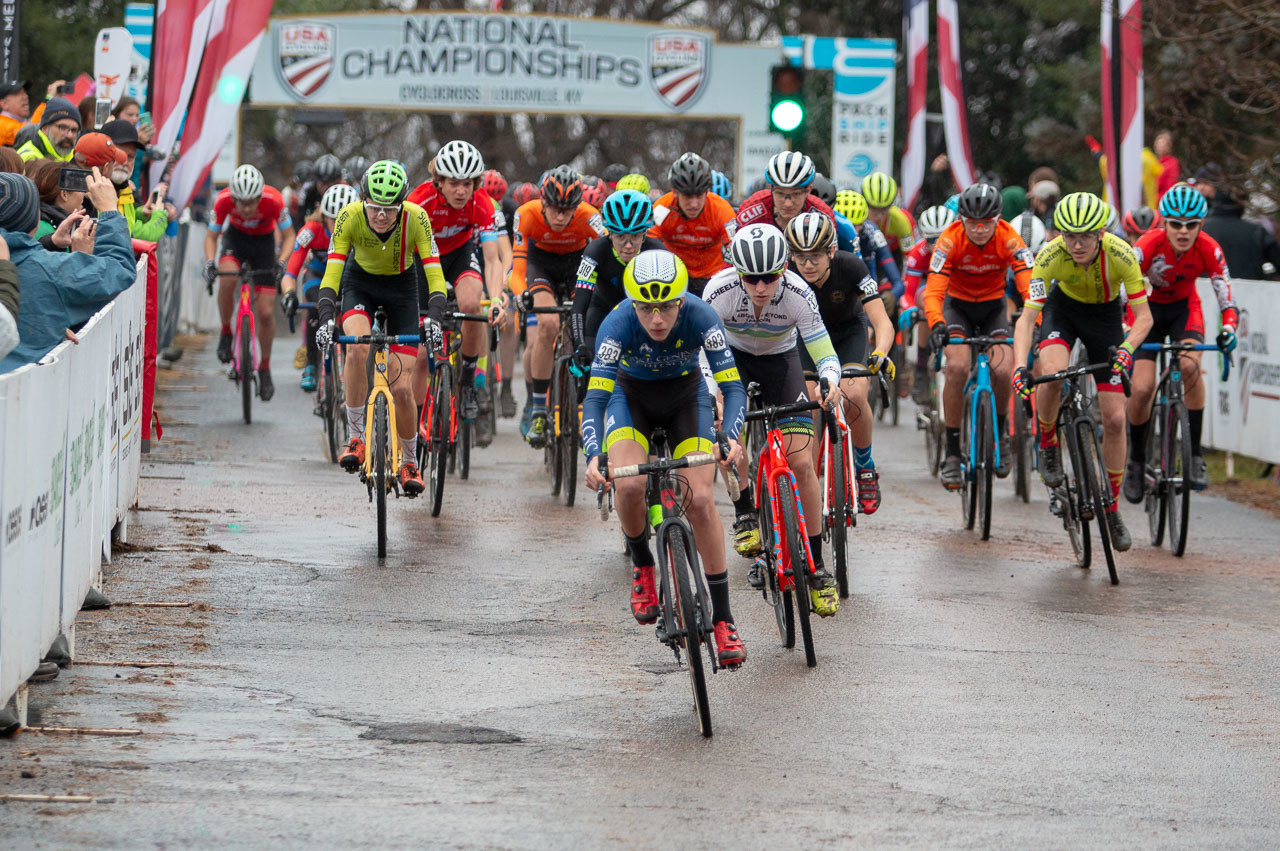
[126, 394]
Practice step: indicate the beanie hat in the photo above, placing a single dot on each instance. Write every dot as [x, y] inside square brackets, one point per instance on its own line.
[19, 203]
[57, 109]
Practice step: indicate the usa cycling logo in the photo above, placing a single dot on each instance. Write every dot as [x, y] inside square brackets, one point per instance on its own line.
[304, 56]
[678, 67]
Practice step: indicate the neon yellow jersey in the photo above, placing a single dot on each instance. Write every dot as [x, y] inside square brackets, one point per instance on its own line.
[1115, 267]
[391, 256]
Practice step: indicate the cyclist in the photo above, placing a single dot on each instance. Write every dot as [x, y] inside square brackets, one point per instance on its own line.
[897, 225]
[933, 222]
[1139, 221]
[786, 196]
[354, 168]
[692, 221]
[722, 186]
[246, 216]
[495, 186]
[627, 215]
[292, 193]
[847, 300]
[326, 172]
[311, 247]
[593, 193]
[824, 189]
[964, 297]
[551, 233]
[373, 242]
[645, 375]
[635, 180]
[1172, 257]
[1076, 282]
[873, 248]
[763, 305]
[612, 174]
[461, 214]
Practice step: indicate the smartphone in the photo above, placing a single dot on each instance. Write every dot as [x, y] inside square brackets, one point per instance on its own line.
[73, 179]
[101, 112]
[67, 89]
[144, 118]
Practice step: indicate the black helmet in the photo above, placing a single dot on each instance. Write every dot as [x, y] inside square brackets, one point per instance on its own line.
[354, 168]
[328, 169]
[561, 187]
[979, 201]
[823, 188]
[302, 171]
[690, 174]
[615, 172]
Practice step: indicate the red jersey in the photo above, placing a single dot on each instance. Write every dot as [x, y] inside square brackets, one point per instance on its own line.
[453, 228]
[758, 209]
[699, 242]
[312, 240]
[269, 215]
[916, 267]
[1173, 278]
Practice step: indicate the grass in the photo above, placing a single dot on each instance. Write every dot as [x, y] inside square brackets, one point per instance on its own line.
[1248, 486]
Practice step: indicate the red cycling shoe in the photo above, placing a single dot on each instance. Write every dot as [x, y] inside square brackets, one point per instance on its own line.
[729, 647]
[644, 596]
[353, 458]
[868, 491]
[411, 479]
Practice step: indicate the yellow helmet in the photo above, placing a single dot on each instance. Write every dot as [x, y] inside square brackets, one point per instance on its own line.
[655, 276]
[880, 189]
[852, 206]
[1080, 212]
[635, 181]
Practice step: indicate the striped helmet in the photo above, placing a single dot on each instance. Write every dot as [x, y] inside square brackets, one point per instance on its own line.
[934, 221]
[852, 206]
[635, 180]
[758, 249]
[561, 187]
[655, 276]
[1183, 201]
[246, 183]
[459, 160]
[1142, 219]
[721, 185]
[1080, 212]
[336, 197]
[790, 169]
[879, 189]
[810, 232]
[385, 183]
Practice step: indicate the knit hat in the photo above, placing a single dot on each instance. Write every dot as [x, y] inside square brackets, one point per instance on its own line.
[97, 149]
[57, 109]
[19, 203]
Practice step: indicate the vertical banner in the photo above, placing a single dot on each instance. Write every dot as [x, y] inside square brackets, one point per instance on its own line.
[1122, 101]
[9, 39]
[915, 25]
[955, 116]
[139, 19]
[112, 56]
[180, 30]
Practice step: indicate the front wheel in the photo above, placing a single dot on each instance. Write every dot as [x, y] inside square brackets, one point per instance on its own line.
[1022, 449]
[839, 511]
[677, 548]
[968, 489]
[1092, 480]
[778, 598]
[798, 564]
[330, 411]
[1177, 477]
[438, 440]
[1156, 498]
[567, 427]
[986, 463]
[381, 445]
[245, 368]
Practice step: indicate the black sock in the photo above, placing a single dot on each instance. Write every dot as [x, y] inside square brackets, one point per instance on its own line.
[953, 441]
[468, 374]
[718, 588]
[1002, 426]
[1197, 425]
[641, 555]
[744, 504]
[815, 549]
[541, 385]
[506, 387]
[1138, 441]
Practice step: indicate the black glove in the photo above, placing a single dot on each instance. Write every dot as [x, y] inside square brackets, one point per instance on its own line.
[938, 336]
[582, 356]
[289, 303]
[326, 307]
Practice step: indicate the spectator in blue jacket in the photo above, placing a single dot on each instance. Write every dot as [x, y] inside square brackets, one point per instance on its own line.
[60, 291]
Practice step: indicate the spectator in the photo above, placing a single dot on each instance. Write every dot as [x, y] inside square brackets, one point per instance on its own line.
[88, 104]
[1171, 169]
[11, 162]
[129, 110]
[1043, 197]
[125, 137]
[1013, 200]
[1207, 179]
[61, 211]
[937, 186]
[1245, 244]
[56, 138]
[8, 301]
[15, 109]
[61, 290]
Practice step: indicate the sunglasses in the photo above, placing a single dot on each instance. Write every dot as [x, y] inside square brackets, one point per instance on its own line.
[1178, 224]
[1081, 238]
[379, 210]
[627, 238]
[980, 224]
[757, 280]
[665, 307]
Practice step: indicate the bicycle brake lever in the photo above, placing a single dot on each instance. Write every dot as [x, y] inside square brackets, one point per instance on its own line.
[730, 474]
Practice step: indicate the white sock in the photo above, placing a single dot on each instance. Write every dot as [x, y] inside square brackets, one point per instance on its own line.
[409, 449]
[355, 422]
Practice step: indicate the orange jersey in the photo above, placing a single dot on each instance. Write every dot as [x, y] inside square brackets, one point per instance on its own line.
[531, 231]
[974, 272]
[698, 242]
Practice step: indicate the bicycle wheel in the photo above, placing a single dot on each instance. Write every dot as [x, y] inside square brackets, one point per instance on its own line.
[839, 509]
[779, 599]
[551, 455]
[986, 463]
[799, 566]
[245, 368]
[381, 445]
[465, 431]
[1156, 498]
[329, 411]
[676, 546]
[933, 442]
[968, 481]
[1177, 486]
[1069, 498]
[1092, 477]
[1021, 451]
[568, 429]
[438, 444]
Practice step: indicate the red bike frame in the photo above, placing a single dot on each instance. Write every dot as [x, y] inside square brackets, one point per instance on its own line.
[772, 470]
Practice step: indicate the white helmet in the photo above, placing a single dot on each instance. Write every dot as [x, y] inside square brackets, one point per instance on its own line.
[336, 197]
[246, 183]
[459, 160]
[1031, 228]
[758, 249]
[934, 221]
[790, 168]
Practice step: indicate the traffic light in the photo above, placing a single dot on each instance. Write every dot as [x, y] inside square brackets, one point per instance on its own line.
[786, 100]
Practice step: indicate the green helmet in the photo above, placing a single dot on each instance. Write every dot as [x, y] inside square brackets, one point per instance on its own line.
[852, 206]
[879, 189]
[385, 183]
[1080, 212]
[635, 181]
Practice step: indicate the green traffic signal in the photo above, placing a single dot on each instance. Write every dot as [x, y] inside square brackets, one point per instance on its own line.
[786, 115]
[786, 100]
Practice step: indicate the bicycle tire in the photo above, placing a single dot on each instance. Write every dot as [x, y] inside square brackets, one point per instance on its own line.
[245, 369]
[465, 432]
[895, 399]
[568, 428]
[986, 463]
[1021, 451]
[1094, 475]
[1073, 521]
[779, 599]
[1178, 486]
[790, 512]
[686, 612]
[381, 438]
[551, 436]
[1155, 499]
[839, 509]
[439, 431]
[329, 411]
[968, 480]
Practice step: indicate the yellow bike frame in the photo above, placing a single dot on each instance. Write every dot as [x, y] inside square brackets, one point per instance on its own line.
[380, 387]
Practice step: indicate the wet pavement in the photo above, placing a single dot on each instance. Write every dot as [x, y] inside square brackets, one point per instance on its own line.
[485, 686]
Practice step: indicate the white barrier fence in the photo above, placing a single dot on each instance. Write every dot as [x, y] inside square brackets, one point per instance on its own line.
[199, 310]
[71, 432]
[1244, 412]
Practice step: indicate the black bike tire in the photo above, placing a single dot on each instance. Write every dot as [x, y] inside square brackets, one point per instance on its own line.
[839, 508]
[1095, 474]
[780, 600]
[932, 445]
[986, 463]
[969, 479]
[1021, 451]
[381, 423]
[799, 567]
[246, 369]
[329, 411]
[1179, 498]
[1081, 540]
[465, 432]
[569, 437]
[1156, 497]
[438, 429]
[686, 610]
[551, 437]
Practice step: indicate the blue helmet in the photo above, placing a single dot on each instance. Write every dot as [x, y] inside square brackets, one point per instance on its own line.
[627, 211]
[1183, 201]
[953, 204]
[721, 185]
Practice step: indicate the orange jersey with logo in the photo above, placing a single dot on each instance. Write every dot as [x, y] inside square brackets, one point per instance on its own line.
[699, 242]
[531, 231]
[974, 272]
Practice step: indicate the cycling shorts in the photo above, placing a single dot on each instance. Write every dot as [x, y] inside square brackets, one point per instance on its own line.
[1175, 321]
[781, 380]
[1098, 326]
[697, 285]
[850, 343]
[255, 250]
[363, 293]
[458, 262]
[680, 406]
[976, 318]
[552, 273]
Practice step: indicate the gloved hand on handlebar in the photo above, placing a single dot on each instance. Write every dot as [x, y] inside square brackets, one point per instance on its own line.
[879, 361]
[1122, 361]
[433, 335]
[938, 336]
[1021, 382]
[289, 303]
[325, 334]
[581, 363]
[1227, 339]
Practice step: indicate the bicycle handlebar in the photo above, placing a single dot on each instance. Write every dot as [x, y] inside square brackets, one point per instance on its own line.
[1192, 347]
[982, 341]
[772, 411]
[1073, 371]
[379, 339]
[859, 372]
[660, 466]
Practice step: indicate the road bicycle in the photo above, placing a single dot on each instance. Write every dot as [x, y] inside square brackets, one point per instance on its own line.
[245, 354]
[684, 618]
[381, 440]
[1022, 438]
[928, 411]
[1167, 497]
[330, 404]
[564, 413]
[979, 441]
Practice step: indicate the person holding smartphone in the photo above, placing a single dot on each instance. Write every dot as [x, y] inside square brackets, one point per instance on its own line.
[149, 221]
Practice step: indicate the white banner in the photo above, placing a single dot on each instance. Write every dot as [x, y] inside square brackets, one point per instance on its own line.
[1244, 412]
[112, 59]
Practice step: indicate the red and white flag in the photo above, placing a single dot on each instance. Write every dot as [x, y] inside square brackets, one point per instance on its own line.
[1122, 100]
[955, 118]
[915, 24]
[235, 34]
[181, 29]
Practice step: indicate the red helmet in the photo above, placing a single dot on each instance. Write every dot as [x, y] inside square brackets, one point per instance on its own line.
[1141, 220]
[593, 193]
[524, 193]
[494, 184]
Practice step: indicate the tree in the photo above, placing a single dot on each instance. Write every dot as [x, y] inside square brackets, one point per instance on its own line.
[57, 38]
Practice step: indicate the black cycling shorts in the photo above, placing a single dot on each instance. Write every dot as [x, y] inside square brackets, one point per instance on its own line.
[850, 343]
[781, 380]
[976, 318]
[1175, 321]
[255, 250]
[397, 295]
[553, 273]
[1098, 326]
[697, 285]
[681, 407]
[457, 262]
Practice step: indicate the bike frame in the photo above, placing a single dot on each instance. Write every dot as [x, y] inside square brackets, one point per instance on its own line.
[244, 307]
[844, 445]
[978, 381]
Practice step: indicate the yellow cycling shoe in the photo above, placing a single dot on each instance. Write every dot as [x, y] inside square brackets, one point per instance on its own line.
[746, 536]
[823, 593]
[300, 357]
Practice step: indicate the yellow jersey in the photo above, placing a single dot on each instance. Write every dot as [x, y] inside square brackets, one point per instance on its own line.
[383, 254]
[1116, 267]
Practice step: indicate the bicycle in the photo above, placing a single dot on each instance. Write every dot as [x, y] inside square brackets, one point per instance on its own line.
[979, 442]
[244, 337]
[1085, 493]
[330, 402]
[682, 593]
[564, 413]
[928, 414]
[1168, 457]
[382, 441]
[1022, 437]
